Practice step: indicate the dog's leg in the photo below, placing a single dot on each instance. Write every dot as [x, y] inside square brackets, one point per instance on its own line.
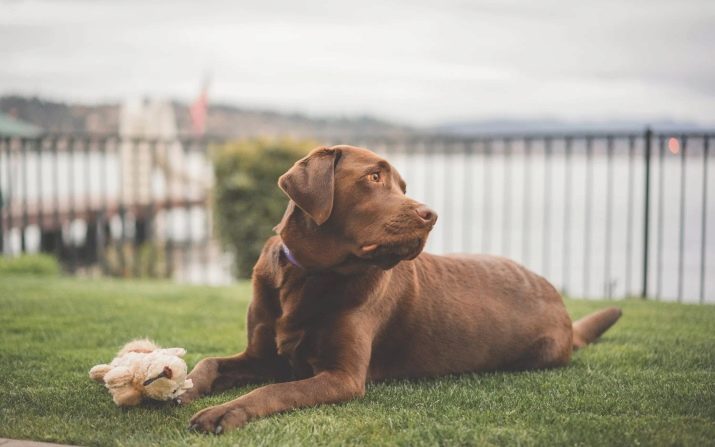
[259, 363]
[347, 350]
[326, 387]
[215, 374]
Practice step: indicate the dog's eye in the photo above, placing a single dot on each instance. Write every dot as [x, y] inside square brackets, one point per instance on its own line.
[375, 177]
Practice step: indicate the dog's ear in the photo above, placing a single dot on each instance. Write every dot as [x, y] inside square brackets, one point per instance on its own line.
[310, 183]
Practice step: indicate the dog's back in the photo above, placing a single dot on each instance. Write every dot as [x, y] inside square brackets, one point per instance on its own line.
[471, 313]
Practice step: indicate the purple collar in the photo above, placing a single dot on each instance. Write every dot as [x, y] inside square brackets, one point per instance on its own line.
[289, 256]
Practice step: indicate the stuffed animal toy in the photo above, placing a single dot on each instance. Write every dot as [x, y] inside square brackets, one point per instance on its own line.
[143, 369]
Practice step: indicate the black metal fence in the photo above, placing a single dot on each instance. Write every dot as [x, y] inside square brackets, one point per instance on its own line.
[119, 206]
[600, 215]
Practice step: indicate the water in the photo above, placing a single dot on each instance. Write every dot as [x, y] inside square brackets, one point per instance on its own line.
[539, 210]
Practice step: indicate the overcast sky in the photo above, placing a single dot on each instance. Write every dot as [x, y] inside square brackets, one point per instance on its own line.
[414, 61]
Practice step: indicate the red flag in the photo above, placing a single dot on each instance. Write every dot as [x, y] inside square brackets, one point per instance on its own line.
[198, 111]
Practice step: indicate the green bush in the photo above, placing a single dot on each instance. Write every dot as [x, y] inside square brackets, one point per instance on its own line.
[248, 202]
[36, 264]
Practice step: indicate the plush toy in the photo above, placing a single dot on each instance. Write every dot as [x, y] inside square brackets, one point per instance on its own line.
[141, 369]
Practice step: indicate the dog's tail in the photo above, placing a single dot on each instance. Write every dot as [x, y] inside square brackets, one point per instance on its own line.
[590, 327]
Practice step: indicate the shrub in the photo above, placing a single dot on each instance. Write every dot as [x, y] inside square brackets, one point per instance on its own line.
[248, 202]
[36, 264]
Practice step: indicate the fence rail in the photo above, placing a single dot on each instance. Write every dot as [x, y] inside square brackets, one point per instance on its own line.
[599, 214]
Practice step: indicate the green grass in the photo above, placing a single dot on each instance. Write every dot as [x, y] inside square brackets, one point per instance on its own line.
[35, 264]
[650, 381]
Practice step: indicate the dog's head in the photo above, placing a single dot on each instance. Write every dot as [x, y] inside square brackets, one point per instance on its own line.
[348, 206]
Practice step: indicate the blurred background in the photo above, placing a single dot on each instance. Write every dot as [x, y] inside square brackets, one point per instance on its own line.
[144, 139]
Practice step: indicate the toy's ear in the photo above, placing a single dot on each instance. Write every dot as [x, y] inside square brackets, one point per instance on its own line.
[98, 372]
[126, 397]
[310, 183]
[119, 376]
[179, 352]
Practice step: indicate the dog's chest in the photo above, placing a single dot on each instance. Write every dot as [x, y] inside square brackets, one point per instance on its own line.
[309, 309]
[295, 345]
[298, 339]
[299, 330]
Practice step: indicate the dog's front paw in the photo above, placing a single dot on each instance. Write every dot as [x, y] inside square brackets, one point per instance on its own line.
[219, 419]
[201, 379]
[186, 398]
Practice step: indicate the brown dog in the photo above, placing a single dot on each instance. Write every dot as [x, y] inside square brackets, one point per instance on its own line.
[343, 296]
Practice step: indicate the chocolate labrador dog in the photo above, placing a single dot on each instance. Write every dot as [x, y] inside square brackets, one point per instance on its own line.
[344, 295]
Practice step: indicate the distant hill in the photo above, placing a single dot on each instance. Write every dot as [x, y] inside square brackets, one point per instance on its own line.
[525, 126]
[61, 117]
[223, 120]
[231, 121]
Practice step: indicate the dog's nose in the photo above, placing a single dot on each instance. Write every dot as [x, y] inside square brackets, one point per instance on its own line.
[426, 214]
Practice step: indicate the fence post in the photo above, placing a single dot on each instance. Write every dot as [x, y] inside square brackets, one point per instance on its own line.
[646, 213]
[2, 200]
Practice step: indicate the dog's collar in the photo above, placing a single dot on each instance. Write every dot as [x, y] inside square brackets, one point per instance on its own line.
[289, 256]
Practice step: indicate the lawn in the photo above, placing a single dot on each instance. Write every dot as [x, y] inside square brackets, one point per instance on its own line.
[650, 381]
